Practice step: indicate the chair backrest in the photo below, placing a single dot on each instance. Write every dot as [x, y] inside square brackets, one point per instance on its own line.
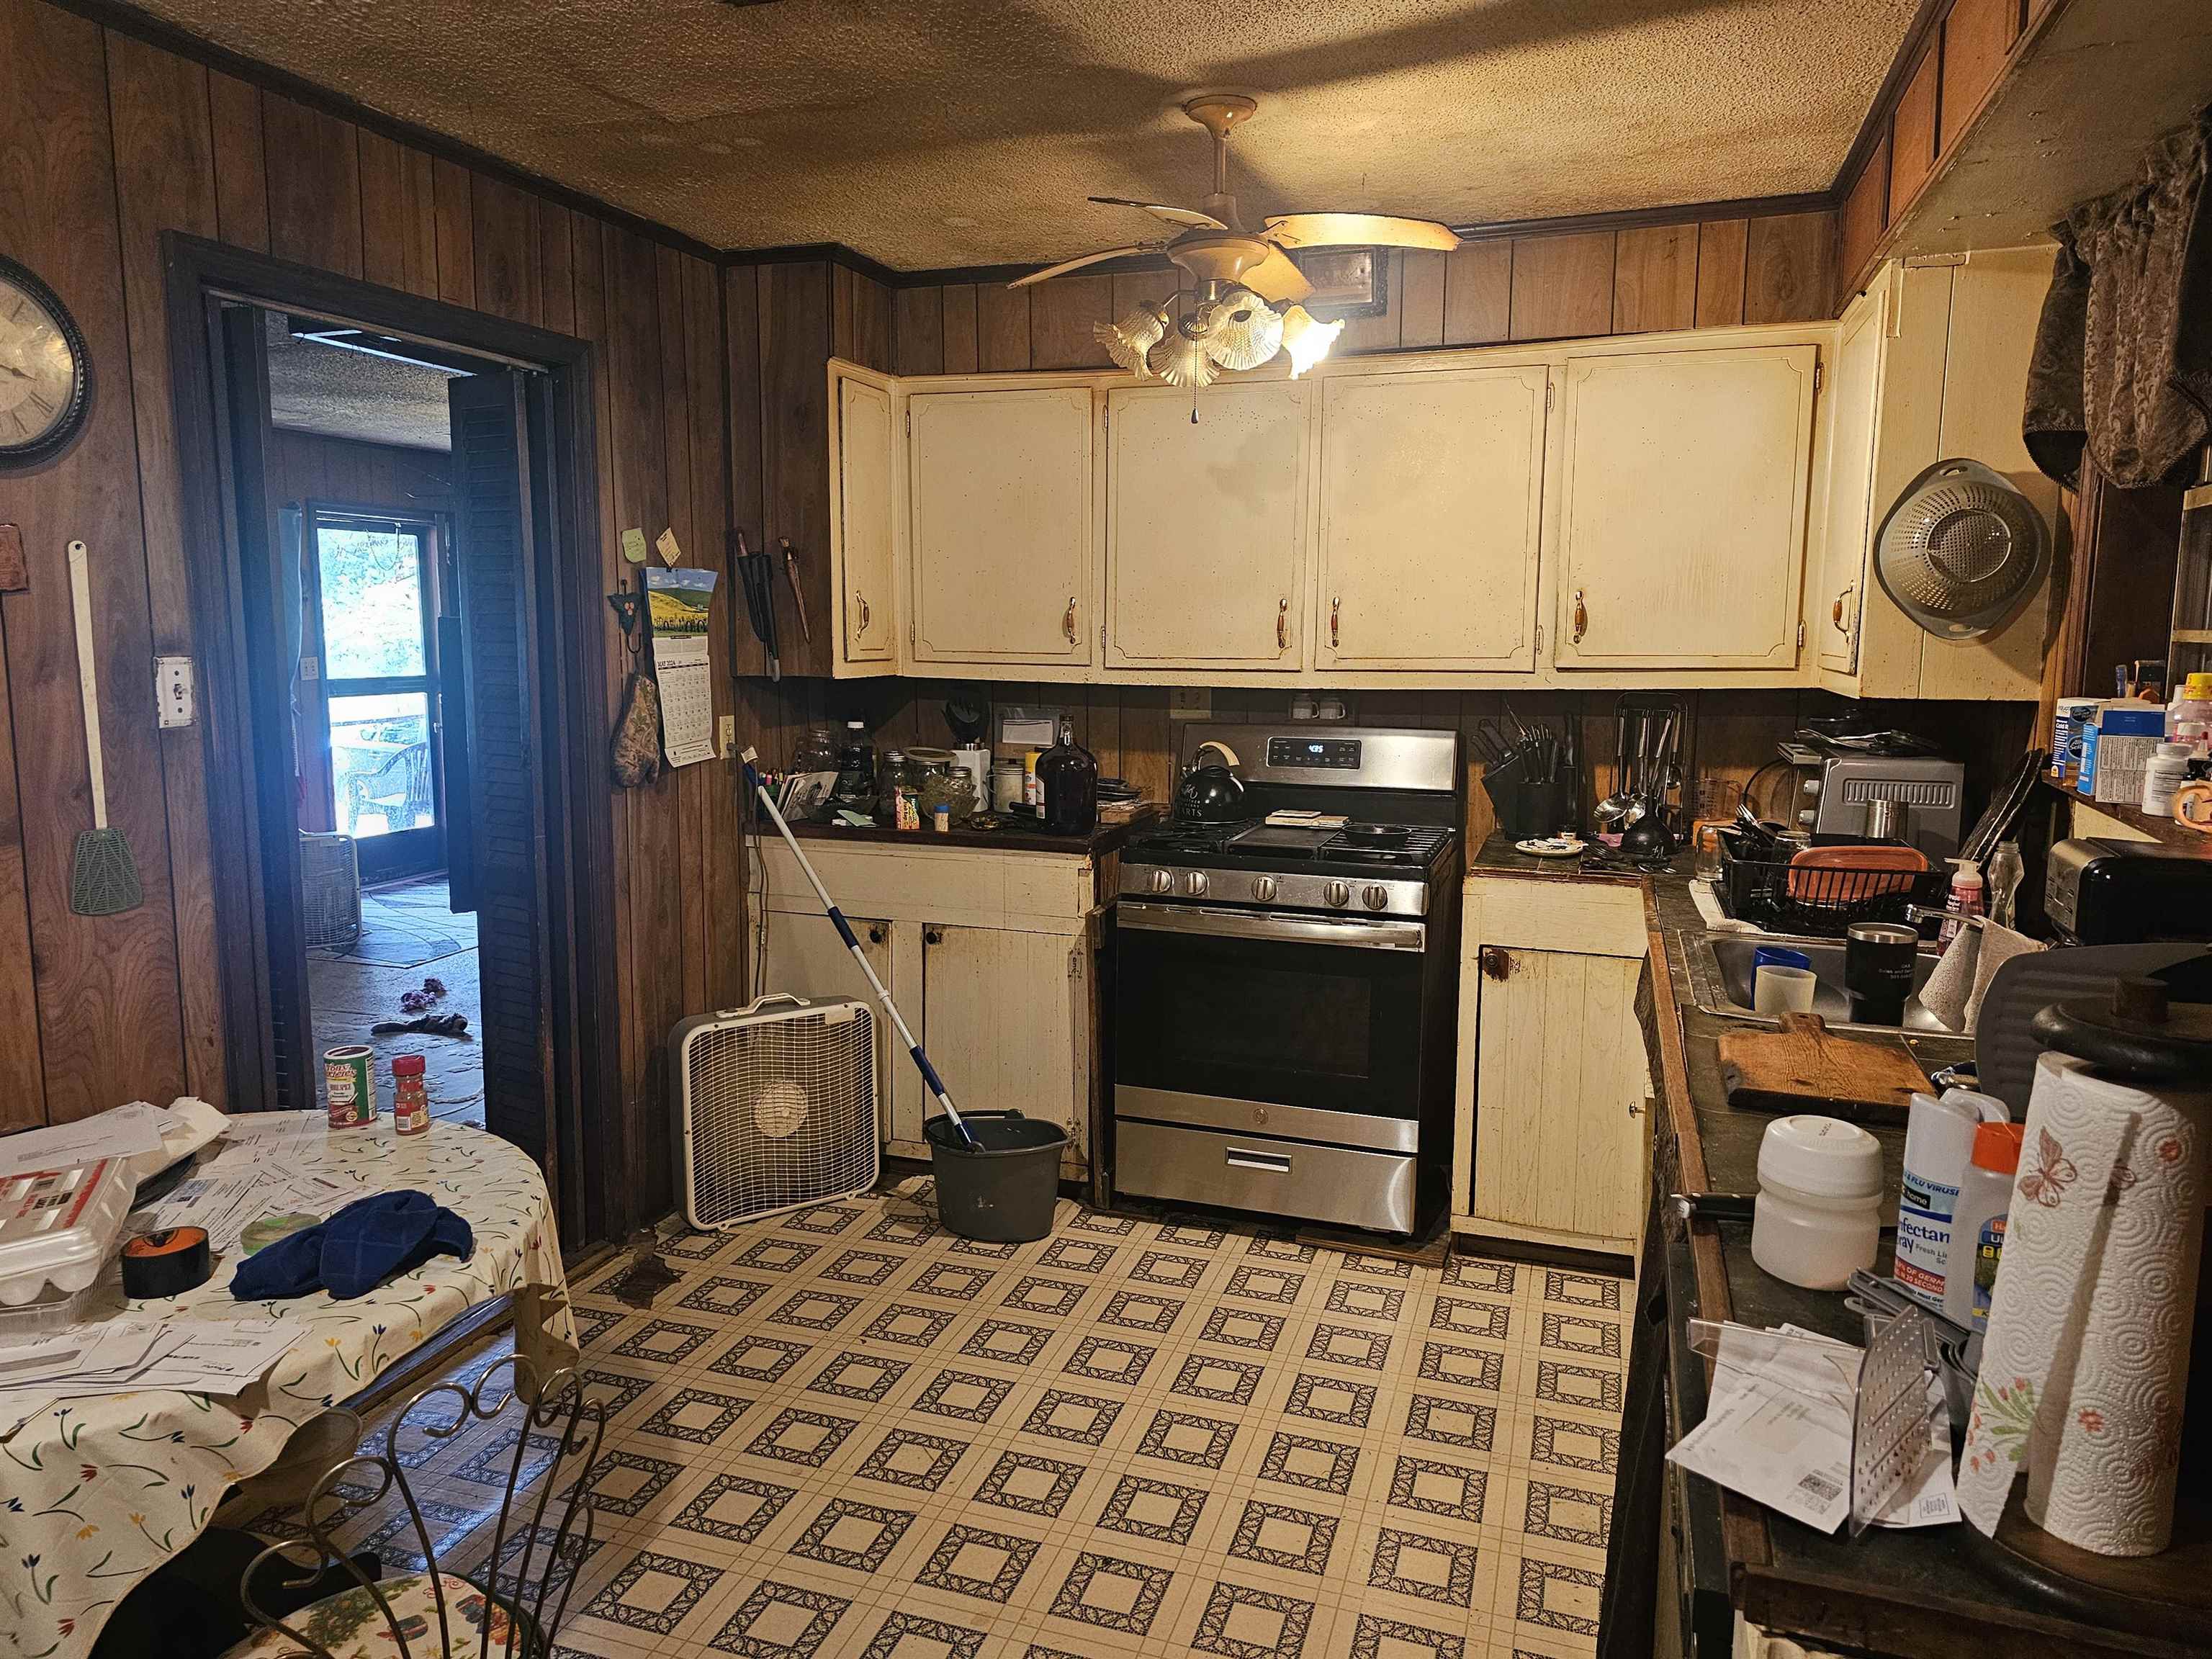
[558, 1432]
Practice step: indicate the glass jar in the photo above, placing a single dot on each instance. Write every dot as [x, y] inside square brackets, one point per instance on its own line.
[898, 791]
[856, 770]
[817, 751]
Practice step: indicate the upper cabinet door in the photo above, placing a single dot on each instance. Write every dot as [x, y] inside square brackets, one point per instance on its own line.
[1431, 505]
[1840, 594]
[864, 523]
[1206, 527]
[1002, 501]
[1684, 489]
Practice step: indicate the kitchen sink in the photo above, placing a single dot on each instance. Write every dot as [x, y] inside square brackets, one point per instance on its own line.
[1721, 971]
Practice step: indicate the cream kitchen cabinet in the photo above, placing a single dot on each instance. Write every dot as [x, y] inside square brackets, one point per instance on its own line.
[1685, 478]
[1553, 1134]
[989, 956]
[1206, 527]
[1946, 341]
[1000, 531]
[1431, 509]
[863, 529]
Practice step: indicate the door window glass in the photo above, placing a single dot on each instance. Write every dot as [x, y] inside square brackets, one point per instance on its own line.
[372, 603]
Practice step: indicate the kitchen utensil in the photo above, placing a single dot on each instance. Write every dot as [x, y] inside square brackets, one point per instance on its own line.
[1614, 807]
[798, 599]
[103, 874]
[1646, 835]
[1997, 822]
[759, 588]
[1961, 549]
[1211, 794]
[967, 716]
[929, 1079]
[1802, 1068]
[1878, 969]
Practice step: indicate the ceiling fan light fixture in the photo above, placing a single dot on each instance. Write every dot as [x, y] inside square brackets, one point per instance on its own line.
[1246, 332]
[1307, 340]
[1182, 360]
[1129, 340]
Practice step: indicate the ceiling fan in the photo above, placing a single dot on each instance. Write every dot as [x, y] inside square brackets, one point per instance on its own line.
[1238, 302]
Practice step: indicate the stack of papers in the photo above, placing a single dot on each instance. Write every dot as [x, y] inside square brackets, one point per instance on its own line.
[122, 1356]
[1777, 1429]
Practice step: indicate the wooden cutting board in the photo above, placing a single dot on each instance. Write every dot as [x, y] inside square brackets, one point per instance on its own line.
[1803, 1067]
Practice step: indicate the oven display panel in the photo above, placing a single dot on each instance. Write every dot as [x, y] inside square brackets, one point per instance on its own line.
[1328, 753]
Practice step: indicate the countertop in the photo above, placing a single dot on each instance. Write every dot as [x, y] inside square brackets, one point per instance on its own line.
[1945, 1593]
[1018, 835]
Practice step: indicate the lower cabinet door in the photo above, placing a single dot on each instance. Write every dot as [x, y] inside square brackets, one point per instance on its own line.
[806, 958]
[1560, 1083]
[999, 1018]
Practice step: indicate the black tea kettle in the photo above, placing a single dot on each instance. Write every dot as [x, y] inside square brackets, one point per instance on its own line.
[1211, 794]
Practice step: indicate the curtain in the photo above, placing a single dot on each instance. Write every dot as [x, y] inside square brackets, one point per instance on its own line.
[2122, 359]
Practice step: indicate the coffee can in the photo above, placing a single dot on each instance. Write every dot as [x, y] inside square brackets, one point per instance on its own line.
[349, 1085]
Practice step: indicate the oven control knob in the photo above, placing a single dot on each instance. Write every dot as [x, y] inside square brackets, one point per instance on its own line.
[1375, 896]
[1163, 881]
[1264, 888]
[1193, 882]
[1337, 894]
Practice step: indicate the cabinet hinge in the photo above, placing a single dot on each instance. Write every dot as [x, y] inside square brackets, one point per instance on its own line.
[1548, 390]
[909, 423]
[1820, 374]
[1539, 639]
[1801, 635]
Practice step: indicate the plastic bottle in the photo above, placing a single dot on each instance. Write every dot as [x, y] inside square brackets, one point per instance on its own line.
[2192, 701]
[1818, 1216]
[2004, 877]
[2167, 771]
[411, 1100]
[1939, 1145]
[1977, 1224]
[1965, 899]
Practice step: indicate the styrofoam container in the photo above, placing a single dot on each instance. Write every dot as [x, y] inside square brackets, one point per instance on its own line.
[59, 1227]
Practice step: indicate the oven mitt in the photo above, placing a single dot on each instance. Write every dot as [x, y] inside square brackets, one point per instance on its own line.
[635, 752]
[369, 1240]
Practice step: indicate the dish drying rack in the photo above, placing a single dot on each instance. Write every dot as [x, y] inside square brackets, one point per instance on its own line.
[1758, 884]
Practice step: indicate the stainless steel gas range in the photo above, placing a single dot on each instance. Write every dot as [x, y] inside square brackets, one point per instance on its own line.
[1285, 995]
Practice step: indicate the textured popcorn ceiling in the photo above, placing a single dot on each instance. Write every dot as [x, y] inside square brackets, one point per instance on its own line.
[350, 394]
[945, 132]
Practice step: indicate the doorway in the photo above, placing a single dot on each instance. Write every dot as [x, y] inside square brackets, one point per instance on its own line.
[397, 707]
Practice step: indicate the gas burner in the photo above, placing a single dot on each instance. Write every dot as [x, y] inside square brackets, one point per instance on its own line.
[1384, 843]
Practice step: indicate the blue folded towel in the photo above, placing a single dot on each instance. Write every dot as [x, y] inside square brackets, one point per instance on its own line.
[356, 1250]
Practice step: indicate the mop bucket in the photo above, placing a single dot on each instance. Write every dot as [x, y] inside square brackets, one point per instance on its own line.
[1003, 1189]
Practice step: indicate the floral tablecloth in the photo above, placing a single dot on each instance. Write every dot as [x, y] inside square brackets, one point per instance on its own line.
[97, 1493]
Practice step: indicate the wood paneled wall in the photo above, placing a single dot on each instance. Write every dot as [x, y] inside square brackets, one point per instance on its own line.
[1777, 268]
[105, 142]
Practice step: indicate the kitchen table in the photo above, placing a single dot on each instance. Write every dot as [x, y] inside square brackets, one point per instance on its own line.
[95, 1492]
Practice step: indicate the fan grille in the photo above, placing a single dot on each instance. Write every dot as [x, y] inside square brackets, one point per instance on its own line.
[778, 1110]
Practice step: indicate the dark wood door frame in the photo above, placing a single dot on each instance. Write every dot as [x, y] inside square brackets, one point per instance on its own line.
[591, 1177]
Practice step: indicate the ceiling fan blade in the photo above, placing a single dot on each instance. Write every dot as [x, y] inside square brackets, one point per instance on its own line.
[1357, 230]
[1077, 263]
[1187, 217]
[1276, 280]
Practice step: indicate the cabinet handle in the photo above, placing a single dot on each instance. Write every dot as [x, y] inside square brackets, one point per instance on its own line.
[1282, 625]
[875, 933]
[860, 599]
[1067, 622]
[1495, 963]
[1581, 617]
[1836, 611]
[1335, 620]
[932, 936]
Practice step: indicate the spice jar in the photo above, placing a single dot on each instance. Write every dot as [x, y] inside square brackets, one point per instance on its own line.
[410, 1096]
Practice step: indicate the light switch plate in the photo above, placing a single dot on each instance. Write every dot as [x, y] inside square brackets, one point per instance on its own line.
[1190, 702]
[173, 691]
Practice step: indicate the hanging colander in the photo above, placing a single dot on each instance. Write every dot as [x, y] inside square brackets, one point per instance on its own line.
[1961, 549]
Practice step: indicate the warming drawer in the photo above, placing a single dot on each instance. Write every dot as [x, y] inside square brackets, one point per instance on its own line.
[1333, 1184]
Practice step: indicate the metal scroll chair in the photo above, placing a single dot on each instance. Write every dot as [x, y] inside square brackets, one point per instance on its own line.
[400, 791]
[514, 1605]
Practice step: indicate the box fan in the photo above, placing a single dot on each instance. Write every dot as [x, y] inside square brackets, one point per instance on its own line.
[775, 1107]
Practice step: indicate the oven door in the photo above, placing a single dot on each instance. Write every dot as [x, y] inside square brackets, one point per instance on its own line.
[1307, 1027]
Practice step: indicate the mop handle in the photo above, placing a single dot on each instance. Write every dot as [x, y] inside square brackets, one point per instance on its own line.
[936, 1084]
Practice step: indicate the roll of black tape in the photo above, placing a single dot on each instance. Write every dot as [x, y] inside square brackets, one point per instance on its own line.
[167, 1262]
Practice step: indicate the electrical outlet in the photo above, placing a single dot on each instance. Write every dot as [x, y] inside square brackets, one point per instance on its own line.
[1190, 702]
[173, 691]
[726, 735]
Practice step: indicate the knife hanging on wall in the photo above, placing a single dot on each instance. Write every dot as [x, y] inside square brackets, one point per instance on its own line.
[755, 577]
[798, 599]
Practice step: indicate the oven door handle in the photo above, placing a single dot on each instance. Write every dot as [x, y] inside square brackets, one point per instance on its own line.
[1355, 931]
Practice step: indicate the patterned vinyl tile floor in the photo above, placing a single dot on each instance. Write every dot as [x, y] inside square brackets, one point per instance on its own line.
[846, 1434]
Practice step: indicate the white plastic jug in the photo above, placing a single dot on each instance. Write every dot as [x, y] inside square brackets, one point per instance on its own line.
[1939, 1141]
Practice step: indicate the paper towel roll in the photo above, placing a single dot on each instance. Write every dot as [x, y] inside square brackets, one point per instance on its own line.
[2084, 1364]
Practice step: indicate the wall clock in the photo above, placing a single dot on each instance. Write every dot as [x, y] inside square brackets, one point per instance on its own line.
[46, 374]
